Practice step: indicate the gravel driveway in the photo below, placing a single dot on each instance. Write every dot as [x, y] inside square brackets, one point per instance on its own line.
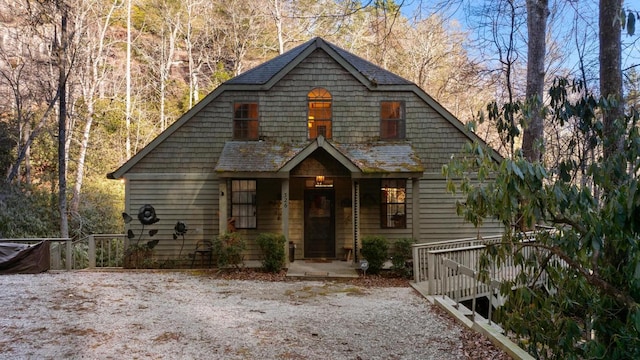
[182, 315]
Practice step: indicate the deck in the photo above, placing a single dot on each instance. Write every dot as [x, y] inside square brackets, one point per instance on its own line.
[451, 268]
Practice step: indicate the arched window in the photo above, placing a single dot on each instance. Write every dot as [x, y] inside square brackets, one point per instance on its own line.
[319, 117]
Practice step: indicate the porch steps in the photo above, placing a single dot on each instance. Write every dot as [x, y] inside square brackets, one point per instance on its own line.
[329, 270]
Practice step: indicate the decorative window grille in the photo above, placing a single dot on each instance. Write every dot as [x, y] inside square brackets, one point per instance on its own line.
[243, 203]
[393, 194]
[245, 121]
[319, 114]
[392, 120]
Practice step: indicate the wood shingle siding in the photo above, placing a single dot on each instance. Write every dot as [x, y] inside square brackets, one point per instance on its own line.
[184, 171]
[193, 200]
[438, 213]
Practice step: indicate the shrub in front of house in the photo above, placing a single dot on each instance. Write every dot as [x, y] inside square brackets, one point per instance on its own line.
[374, 249]
[401, 256]
[227, 250]
[272, 248]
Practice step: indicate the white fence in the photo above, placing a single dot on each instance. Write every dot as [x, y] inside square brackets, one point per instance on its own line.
[99, 250]
[431, 262]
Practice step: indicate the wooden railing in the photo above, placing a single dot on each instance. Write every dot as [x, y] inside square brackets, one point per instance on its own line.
[421, 252]
[61, 250]
[450, 277]
[463, 283]
[98, 250]
[429, 260]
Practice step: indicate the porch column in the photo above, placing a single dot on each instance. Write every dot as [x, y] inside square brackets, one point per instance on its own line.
[222, 207]
[355, 190]
[415, 209]
[284, 203]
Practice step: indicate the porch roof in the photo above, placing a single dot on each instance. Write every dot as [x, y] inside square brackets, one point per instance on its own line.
[272, 159]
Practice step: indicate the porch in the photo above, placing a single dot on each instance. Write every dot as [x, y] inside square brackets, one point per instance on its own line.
[322, 269]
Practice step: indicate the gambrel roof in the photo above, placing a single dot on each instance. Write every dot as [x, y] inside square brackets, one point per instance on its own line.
[266, 75]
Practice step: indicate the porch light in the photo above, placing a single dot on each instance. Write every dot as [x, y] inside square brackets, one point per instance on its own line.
[322, 182]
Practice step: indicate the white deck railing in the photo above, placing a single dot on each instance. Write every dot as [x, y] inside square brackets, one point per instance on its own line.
[429, 265]
[421, 252]
[98, 250]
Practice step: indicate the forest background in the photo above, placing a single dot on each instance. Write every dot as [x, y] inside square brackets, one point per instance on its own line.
[550, 84]
[126, 69]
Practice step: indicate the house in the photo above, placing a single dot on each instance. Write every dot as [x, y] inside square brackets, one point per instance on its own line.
[317, 144]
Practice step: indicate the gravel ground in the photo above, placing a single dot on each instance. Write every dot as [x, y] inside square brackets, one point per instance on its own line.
[195, 315]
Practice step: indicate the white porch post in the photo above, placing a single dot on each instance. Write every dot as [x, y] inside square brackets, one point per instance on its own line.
[415, 209]
[284, 203]
[222, 207]
[355, 191]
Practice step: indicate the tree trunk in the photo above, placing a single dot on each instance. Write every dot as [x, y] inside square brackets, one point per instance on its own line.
[62, 121]
[95, 56]
[611, 89]
[611, 70]
[127, 114]
[537, 14]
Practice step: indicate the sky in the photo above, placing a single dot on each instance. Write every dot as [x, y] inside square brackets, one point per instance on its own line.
[571, 18]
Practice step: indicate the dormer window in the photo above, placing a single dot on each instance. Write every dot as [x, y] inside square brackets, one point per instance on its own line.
[245, 121]
[319, 115]
[392, 120]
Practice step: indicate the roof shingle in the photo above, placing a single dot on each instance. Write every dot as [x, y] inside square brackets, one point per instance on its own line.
[261, 74]
[264, 156]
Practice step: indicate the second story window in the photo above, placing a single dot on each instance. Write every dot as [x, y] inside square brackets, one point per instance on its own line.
[319, 117]
[392, 120]
[245, 121]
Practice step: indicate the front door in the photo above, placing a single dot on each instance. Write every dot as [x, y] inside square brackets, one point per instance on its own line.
[319, 224]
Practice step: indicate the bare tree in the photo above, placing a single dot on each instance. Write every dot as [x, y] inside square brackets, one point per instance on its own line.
[62, 47]
[93, 26]
[537, 14]
[25, 59]
[611, 69]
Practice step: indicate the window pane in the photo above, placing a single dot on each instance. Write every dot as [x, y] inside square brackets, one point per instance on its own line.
[319, 113]
[245, 121]
[392, 120]
[243, 207]
[393, 205]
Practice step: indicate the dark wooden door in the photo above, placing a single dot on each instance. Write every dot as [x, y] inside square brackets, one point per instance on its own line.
[319, 224]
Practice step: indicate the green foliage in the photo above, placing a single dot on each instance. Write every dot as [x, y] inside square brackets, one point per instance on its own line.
[26, 212]
[7, 144]
[374, 249]
[228, 248]
[272, 248]
[99, 210]
[591, 259]
[138, 256]
[401, 253]
[106, 252]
